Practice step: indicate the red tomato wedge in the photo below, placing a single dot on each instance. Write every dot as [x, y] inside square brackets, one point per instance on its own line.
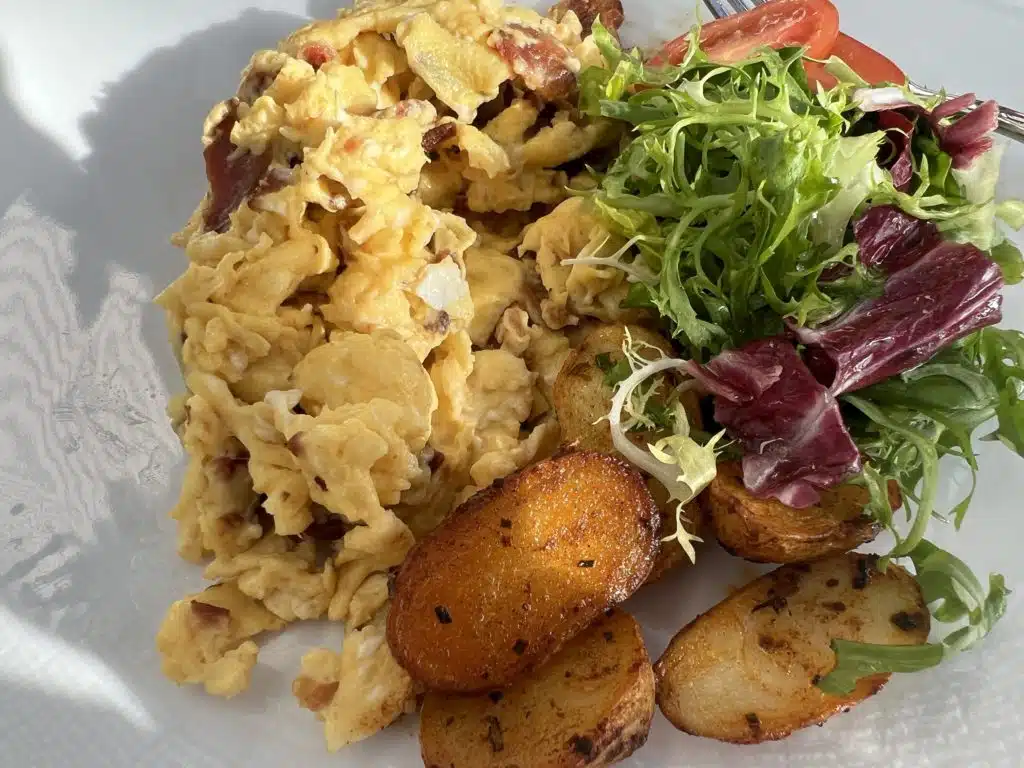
[813, 24]
[865, 61]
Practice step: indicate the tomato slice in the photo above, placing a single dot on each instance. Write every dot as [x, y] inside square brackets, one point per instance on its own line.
[865, 61]
[813, 24]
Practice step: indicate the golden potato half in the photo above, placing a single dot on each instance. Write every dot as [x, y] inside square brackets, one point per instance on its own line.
[768, 531]
[582, 399]
[521, 568]
[746, 671]
[591, 704]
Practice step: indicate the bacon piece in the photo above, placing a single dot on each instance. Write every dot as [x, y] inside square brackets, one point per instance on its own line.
[232, 173]
[588, 11]
[437, 136]
[538, 58]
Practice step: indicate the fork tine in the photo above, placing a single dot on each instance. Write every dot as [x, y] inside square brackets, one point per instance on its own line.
[739, 6]
[719, 8]
[722, 8]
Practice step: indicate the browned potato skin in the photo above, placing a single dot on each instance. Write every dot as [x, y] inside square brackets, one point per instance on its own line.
[745, 671]
[591, 704]
[521, 568]
[768, 531]
[582, 398]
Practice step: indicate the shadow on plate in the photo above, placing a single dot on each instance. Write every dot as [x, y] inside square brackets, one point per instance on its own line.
[88, 465]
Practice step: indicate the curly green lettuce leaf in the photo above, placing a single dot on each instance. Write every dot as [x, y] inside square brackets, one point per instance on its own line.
[678, 461]
[735, 191]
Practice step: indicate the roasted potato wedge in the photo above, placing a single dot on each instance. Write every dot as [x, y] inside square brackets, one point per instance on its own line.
[768, 531]
[521, 568]
[745, 671]
[581, 400]
[591, 704]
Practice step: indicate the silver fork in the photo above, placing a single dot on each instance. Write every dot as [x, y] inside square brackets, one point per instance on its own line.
[1010, 121]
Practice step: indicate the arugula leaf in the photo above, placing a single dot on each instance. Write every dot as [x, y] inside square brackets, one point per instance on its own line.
[906, 424]
[614, 373]
[1008, 257]
[999, 353]
[897, 422]
[856, 660]
[954, 594]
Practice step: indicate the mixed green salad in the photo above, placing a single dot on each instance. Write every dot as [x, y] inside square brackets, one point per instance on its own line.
[838, 249]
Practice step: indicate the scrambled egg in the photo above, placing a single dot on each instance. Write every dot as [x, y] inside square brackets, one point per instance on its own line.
[578, 289]
[369, 323]
[206, 638]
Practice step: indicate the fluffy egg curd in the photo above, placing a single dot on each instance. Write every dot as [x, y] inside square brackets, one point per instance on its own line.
[374, 312]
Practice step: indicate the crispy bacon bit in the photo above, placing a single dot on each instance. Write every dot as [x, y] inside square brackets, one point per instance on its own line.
[232, 173]
[327, 526]
[314, 695]
[588, 11]
[538, 58]
[317, 54]
[438, 135]
[210, 616]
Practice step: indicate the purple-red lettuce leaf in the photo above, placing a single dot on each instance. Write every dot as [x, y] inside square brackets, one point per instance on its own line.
[896, 155]
[964, 138]
[890, 239]
[794, 440]
[969, 137]
[949, 292]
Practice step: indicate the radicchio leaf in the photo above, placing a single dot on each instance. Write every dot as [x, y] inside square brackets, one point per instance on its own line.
[968, 138]
[900, 163]
[945, 294]
[890, 239]
[964, 139]
[790, 426]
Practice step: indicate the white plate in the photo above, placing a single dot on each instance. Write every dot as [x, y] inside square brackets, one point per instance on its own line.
[100, 111]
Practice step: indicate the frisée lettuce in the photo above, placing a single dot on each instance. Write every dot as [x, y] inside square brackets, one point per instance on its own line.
[755, 210]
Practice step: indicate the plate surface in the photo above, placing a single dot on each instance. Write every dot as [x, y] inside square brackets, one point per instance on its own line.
[99, 163]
